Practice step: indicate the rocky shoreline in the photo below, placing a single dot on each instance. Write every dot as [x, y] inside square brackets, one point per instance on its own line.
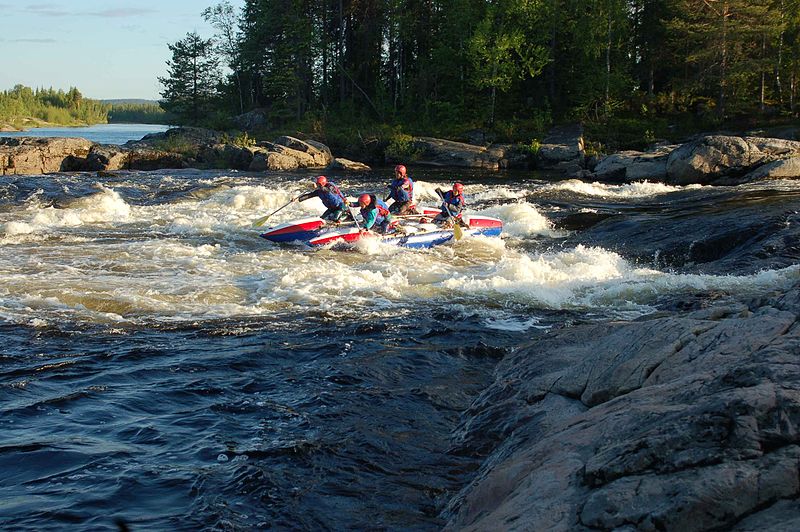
[175, 148]
[707, 159]
[677, 421]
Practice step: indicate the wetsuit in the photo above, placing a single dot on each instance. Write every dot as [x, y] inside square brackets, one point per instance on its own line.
[332, 198]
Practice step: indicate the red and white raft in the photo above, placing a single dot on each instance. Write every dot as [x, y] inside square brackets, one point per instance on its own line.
[416, 232]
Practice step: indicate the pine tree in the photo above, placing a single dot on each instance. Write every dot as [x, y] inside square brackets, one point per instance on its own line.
[191, 86]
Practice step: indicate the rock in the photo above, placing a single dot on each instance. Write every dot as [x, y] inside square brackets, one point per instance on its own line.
[41, 155]
[439, 152]
[320, 155]
[280, 162]
[781, 169]
[563, 144]
[106, 157]
[252, 120]
[346, 164]
[259, 162]
[7, 128]
[179, 139]
[150, 159]
[226, 156]
[717, 157]
[671, 422]
[629, 166]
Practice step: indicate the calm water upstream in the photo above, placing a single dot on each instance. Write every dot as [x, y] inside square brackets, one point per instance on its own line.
[102, 133]
[164, 366]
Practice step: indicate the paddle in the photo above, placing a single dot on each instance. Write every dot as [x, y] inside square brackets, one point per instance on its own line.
[261, 221]
[457, 232]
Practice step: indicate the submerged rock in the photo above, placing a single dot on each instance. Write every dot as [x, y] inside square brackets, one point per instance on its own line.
[687, 422]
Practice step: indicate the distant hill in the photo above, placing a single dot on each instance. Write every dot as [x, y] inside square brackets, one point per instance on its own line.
[131, 101]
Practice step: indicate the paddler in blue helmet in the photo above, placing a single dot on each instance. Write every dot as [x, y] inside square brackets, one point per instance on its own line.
[331, 196]
[401, 190]
[453, 204]
[375, 213]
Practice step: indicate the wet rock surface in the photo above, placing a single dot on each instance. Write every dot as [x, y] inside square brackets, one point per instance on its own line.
[670, 422]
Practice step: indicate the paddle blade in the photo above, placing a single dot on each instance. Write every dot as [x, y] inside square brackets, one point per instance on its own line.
[457, 232]
[261, 221]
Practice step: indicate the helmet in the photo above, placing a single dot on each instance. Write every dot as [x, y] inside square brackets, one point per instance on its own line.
[458, 187]
[322, 181]
[400, 169]
[364, 200]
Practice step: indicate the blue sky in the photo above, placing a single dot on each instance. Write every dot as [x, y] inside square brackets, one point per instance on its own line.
[105, 48]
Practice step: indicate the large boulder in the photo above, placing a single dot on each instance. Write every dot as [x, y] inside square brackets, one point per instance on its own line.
[440, 152]
[781, 169]
[226, 156]
[346, 164]
[151, 159]
[672, 422]
[563, 149]
[41, 155]
[319, 153]
[629, 166]
[106, 158]
[713, 158]
[179, 139]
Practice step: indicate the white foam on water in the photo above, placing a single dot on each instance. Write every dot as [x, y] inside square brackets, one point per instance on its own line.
[521, 219]
[593, 278]
[201, 259]
[638, 189]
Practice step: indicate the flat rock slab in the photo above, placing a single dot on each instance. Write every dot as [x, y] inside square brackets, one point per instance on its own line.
[688, 422]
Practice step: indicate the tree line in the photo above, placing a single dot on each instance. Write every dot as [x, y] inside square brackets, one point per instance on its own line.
[50, 105]
[430, 65]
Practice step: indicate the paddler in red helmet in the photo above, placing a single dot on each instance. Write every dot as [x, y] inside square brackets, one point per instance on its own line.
[333, 199]
[401, 190]
[375, 213]
[453, 204]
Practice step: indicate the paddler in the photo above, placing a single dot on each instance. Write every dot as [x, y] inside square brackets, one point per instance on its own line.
[375, 213]
[401, 190]
[331, 196]
[453, 204]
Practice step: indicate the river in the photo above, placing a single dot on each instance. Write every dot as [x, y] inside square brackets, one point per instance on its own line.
[101, 133]
[166, 368]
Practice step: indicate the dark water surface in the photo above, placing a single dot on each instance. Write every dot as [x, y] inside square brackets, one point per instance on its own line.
[164, 367]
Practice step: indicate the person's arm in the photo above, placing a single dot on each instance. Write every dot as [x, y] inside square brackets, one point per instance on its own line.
[307, 195]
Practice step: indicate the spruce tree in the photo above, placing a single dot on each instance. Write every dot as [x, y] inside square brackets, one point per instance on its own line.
[193, 76]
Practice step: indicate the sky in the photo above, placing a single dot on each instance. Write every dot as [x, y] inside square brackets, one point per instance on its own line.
[106, 48]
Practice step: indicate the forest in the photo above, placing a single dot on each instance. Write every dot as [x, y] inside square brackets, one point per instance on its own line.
[632, 71]
[52, 106]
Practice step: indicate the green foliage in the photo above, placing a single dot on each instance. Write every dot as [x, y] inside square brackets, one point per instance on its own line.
[401, 148]
[359, 75]
[138, 113]
[190, 88]
[21, 104]
[243, 140]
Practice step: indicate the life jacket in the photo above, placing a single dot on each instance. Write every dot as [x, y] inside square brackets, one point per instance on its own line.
[456, 200]
[331, 196]
[398, 193]
[378, 205]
